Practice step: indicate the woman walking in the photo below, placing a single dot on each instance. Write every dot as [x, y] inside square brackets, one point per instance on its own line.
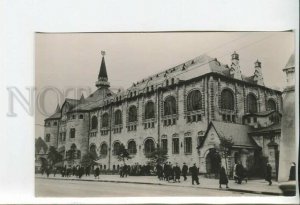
[223, 177]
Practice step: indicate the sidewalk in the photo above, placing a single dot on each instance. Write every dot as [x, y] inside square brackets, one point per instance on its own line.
[252, 186]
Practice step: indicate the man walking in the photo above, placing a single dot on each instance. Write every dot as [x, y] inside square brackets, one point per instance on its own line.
[177, 173]
[194, 172]
[269, 174]
[184, 171]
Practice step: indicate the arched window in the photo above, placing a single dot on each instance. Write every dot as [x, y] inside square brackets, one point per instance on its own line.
[149, 110]
[149, 146]
[271, 105]
[251, 103]
[194, 100]
[93, 151]
[93, 148]
[103, 149]
[170, 106]
[118, 117]
[132, 114]
[94, 122]
[116, 148]
[105, 120]
[132, 147]
[227, 100]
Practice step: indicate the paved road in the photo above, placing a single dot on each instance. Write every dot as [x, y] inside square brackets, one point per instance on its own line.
[64, 188]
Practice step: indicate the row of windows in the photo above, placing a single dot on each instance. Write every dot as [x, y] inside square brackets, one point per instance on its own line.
[227, 102]
[176, 145]
[229, 118]
[170, 122]
[194, 118]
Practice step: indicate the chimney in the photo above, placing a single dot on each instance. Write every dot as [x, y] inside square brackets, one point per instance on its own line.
[235, 70]
[258, 77]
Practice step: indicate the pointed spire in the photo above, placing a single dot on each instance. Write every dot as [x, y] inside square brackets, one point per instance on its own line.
[81, 98]
[102, 73]
[102, 77]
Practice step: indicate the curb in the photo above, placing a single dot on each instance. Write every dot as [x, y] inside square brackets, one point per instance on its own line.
[152, 183]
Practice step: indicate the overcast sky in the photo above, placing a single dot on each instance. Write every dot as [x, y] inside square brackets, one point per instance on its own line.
[73, 60]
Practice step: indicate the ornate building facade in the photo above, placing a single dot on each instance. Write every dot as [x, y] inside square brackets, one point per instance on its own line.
[184, 110]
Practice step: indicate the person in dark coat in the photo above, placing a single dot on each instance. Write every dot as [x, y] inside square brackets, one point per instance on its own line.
[97, 172]
[165, 170]
[159, 171]
[292, 176]
[177, 173]
[170, 172]
[194, 172]
[239, 172]
[268, 177]
[223, 177]
[184, 171]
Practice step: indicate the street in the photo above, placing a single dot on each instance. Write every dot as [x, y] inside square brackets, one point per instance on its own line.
[68, 188]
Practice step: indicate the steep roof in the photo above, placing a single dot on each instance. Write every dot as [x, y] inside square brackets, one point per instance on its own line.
[291, 62]
[95, 100]
[237, 132]
[56, 115]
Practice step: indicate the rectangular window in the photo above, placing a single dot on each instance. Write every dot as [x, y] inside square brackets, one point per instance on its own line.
[175, 143]
[72, 133]
[194, 118]
[188, 118]
[224, 117]
[199, 118]
[55, 123]
[73, 116]
[169, 121]
[134, 127]
[228, 118]
[47, 137]
[233, 118]
[145, 126]
[174, 121]
[255, 119]
[249, 120]
[152, 124]
[164, 145]
[188, 145]
[165, 122]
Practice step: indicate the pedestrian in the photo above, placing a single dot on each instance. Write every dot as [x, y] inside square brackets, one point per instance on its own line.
[194, 172]
[239, 172]
[234, 175]
[177, 173]
[268, 177]
[97, 172]
[170, 172]
[184, 171]
[292, 176]
[223, 177]
[48, 171]
[165, 170]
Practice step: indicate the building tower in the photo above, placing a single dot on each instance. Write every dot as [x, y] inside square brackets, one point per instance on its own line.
[102, 77]
[235, 70]
[288, 142]
[258, 77]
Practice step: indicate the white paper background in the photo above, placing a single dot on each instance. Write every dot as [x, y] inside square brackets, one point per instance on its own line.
[19, 20]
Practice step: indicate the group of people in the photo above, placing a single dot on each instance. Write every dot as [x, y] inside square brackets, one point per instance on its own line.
[167, 172]
[171, 173]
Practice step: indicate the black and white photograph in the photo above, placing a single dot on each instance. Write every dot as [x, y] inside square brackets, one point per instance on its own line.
[165, 114]
[149, 102]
